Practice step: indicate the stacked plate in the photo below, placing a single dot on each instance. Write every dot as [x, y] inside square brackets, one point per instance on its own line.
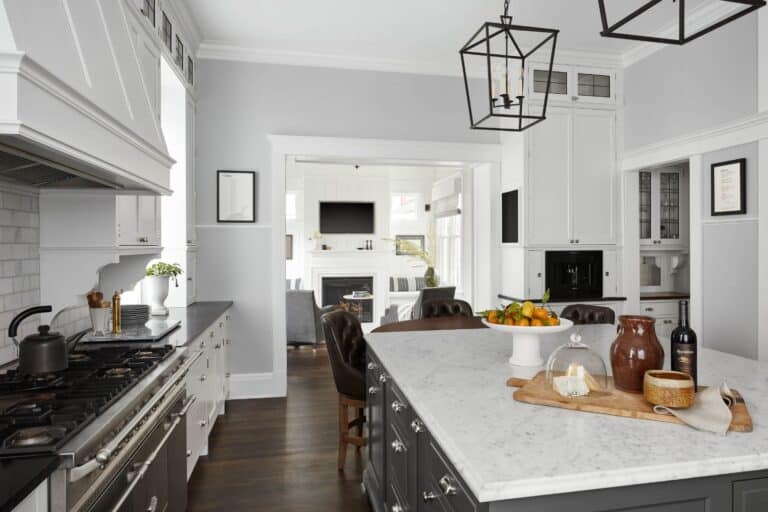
[134, 314]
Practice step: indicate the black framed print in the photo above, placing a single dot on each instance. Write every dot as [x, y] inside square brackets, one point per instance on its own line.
[408, 245]
[236, 196]
[729, 187]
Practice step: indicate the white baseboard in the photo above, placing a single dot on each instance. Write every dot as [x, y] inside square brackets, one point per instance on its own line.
[244, 386]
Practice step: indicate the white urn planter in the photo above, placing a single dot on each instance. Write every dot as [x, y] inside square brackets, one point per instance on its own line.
[155, 292]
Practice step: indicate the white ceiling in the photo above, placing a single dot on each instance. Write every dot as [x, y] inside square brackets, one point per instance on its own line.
[396, 32]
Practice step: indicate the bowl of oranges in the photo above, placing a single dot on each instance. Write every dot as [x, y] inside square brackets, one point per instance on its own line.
[526, 322]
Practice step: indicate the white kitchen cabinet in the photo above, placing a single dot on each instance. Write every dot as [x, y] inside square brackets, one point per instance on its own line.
[572, 192]
[36, 501]
[573, 85]
[548, 176]
[208, 381]
[191, 276]
[665, 313]
[535, 280]
[664, 208]
[138, 220]
[593, 190]
[610, 274]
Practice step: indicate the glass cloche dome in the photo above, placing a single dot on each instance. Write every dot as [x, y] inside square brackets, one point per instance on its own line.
[575, 370]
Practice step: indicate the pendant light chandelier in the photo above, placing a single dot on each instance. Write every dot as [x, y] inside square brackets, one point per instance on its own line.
[498, 54]
[681, 37]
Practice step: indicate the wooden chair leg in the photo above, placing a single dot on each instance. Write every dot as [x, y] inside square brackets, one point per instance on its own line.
[361, 420]
[343, 431]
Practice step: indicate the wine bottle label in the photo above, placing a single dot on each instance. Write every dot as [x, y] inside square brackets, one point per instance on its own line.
[685, 359]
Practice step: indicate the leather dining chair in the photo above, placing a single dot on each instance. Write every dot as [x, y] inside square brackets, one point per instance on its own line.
[441, 308]
[586, 314]
[346, 351]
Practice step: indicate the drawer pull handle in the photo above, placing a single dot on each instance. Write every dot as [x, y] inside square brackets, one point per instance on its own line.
[373, 366]
[448, 485]
[398, 446]
[398, 406]
[397, 508]
[417, 426]
[428, 496]
[649, 309]
[382, 378]
[373, 390]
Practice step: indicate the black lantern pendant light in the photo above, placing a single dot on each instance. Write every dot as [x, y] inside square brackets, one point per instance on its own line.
[498, 54]
[612, 30]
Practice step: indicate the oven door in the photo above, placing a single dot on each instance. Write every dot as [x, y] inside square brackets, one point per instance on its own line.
[151, 480]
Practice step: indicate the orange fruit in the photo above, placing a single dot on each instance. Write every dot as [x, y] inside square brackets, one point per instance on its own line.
[493, 317]
[537, 322]
[509, 321]
[540, 313]
[553, 321]
[523, 322]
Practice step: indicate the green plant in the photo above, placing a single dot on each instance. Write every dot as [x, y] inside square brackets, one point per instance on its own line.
[161, 269]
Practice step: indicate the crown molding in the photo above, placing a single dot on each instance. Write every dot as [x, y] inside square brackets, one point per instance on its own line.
[214, 50]
[189, 27]
[696, 20]
[743, 131]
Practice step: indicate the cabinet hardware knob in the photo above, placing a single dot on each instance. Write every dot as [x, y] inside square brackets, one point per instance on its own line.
[189, 453]
[398, 406]
[152, 504]
[398, 446]
[373, 390]
[607, 274]
[448, 485]
[221, 324]
[217, 346]
[649, 309]
[538, 274]
[203, 423]
[202, 378]
[210, 334]
[397, 508]
[382, 378]
[373, 366]
[227, 374]
[417, 426]
[428, 496]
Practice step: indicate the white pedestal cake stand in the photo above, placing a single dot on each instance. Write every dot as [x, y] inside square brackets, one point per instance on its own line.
[526, 342]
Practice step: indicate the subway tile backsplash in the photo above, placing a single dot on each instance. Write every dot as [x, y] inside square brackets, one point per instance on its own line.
[19, 262]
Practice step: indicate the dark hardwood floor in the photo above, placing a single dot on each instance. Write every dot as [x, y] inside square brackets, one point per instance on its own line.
[280, 454]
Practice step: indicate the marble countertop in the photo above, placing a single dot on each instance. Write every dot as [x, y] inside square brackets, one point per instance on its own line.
[455, 381]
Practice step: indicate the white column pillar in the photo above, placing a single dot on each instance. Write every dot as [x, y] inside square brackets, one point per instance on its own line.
[762, 183]
[697, 175]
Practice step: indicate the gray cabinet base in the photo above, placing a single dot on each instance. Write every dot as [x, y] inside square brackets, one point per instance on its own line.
[374, 492]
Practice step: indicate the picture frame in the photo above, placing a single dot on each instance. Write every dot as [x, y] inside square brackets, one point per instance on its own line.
[288, 247]
[729, 188]
[418, 240]
[236, 197]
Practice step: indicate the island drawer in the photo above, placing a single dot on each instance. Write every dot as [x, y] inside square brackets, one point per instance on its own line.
[401, 467]
[398, 408]
[659, 309]
[442, 485]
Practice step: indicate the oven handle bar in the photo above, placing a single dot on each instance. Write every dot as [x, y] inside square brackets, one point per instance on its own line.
[102, 456]
[146, 464]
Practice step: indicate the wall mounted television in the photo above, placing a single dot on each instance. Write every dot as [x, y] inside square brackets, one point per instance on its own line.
[347, 218]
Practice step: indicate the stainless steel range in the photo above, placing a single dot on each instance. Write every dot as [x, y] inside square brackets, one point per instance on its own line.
[115, 417]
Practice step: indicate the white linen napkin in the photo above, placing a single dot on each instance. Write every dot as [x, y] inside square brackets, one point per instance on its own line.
[710, 411]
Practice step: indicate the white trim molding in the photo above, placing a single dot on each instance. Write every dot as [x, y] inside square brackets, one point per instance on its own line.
[245, 386]
[219, 50]
[739, 132]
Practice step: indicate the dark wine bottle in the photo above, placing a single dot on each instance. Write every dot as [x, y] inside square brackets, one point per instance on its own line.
[684, 353]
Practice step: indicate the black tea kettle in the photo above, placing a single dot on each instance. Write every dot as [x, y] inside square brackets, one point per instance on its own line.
[41, 353]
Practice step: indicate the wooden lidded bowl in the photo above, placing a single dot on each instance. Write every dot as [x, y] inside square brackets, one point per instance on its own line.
[668, 388]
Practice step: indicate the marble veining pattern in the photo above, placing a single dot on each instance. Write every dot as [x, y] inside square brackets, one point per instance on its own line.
[455, 381]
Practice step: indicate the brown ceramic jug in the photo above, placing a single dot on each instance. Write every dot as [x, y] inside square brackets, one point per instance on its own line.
[635, 350]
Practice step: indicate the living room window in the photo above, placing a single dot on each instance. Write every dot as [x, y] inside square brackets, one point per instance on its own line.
[448, 248]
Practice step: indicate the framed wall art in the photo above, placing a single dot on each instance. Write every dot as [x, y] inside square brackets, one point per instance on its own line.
[236, 196]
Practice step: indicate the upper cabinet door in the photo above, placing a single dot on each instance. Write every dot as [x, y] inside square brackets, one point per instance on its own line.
[549, 174]
[149, 220]
[593, 191]
[127, 220]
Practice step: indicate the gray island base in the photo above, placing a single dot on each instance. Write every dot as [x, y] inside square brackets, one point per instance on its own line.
[446, 435]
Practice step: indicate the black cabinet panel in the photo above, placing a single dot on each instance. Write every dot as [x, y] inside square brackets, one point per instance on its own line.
[750, 495]
[376, 388]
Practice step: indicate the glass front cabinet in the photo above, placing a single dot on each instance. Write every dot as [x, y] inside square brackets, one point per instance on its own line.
[663, 208]
[572, 84]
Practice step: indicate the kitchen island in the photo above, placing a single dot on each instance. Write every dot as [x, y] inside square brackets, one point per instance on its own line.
[446, 434]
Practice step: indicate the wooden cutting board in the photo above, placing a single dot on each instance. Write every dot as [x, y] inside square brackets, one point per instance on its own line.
[613, 402]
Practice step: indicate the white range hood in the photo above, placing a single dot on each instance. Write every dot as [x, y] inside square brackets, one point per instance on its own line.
[79, 96]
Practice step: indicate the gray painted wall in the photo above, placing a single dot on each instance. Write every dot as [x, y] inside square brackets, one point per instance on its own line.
[730, 263]
[681, 90]
[239, 105]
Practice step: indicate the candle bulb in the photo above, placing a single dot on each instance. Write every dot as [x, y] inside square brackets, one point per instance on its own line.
[520, 91]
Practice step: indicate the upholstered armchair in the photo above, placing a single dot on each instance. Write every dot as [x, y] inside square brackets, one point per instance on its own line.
[303, 318]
